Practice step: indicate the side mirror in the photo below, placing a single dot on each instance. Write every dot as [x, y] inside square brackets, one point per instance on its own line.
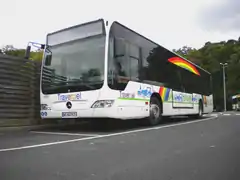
[119, 47]
[42, 46]
[48, 60]
[27, 52]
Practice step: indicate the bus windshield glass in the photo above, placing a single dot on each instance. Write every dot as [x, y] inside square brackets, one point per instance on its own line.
[76, 65]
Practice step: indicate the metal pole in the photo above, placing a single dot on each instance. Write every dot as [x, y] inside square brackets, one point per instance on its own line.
[224, 88]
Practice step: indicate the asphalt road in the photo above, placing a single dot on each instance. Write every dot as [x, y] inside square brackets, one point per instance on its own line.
[188, 149]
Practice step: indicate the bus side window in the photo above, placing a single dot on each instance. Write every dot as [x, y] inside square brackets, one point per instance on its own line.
[143, 72]
[119, 47]
[120, 58]
[134, 58]
[134, 68]
[119, 69]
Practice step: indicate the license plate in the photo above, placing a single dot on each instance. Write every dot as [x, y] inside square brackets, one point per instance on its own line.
[69, 114]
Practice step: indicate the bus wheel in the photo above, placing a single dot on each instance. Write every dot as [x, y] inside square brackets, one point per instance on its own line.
[155, 115]
[200, 110]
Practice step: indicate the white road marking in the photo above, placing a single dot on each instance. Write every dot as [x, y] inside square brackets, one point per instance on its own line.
[237, 114]
[67, 134]
[107, 135]
[212, 114]
[226, 114]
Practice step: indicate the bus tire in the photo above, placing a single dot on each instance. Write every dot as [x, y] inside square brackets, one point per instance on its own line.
[155, 114]
[200, 110]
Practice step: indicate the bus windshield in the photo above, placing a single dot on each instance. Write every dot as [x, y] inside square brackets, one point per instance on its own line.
[74, 66]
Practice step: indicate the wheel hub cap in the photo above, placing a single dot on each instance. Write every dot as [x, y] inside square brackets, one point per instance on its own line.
[155, 111]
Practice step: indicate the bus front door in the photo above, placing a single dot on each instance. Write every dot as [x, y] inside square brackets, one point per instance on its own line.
[182, 100]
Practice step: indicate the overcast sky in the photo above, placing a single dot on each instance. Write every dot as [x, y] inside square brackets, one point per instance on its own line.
[171, 23]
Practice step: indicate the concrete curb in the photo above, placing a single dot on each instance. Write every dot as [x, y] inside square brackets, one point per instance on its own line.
[27, 128]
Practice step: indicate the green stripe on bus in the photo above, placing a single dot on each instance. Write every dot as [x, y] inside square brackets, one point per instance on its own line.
[136, 99]
[180, 102]
[140, 99]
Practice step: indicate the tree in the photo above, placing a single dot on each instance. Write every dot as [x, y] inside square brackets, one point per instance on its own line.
[184, 51]
[7, 48]
[11, 51]
[210, 56]
[37, 55]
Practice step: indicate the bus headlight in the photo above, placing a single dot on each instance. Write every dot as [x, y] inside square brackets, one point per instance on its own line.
[103, 104]
[45, 107]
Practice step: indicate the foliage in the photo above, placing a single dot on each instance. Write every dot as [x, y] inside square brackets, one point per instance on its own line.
[209, 57]
[11, 51]
[184, 51]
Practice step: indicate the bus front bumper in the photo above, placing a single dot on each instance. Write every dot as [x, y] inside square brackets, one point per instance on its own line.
[112, 112]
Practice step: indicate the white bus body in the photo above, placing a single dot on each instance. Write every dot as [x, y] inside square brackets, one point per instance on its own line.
[236, 102]
[122, 101]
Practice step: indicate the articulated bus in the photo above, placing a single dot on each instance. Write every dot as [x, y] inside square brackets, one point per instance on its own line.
[236, 102]
[103, 69]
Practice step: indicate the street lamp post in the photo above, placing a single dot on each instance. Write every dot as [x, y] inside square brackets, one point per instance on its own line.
[224, 85]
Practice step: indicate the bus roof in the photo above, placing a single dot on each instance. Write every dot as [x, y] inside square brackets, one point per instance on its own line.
[163, 47]
[78, 25]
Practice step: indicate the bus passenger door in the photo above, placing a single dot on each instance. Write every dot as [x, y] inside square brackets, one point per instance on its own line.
[182, 99]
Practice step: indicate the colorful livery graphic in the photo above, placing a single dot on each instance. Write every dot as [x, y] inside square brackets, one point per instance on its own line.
[184, 64]
[164, 93]
[104, 69]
